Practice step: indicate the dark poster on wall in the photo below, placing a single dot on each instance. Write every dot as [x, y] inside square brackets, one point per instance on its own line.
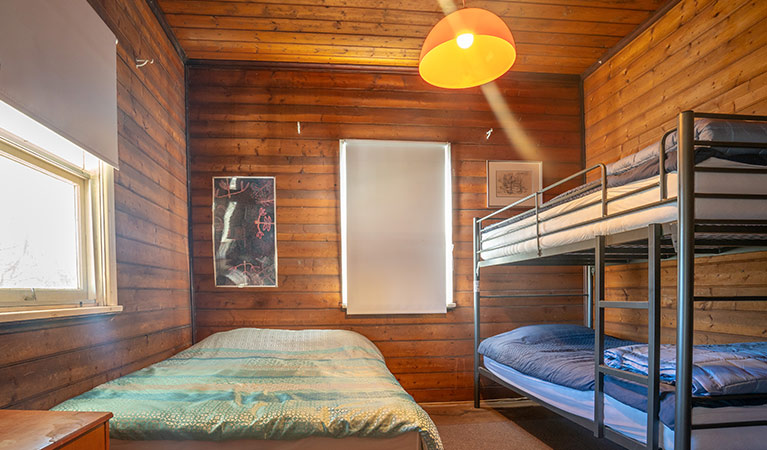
[244, 232]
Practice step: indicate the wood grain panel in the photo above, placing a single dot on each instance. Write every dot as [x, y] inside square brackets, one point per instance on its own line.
[702, 55]
[45, 362]
[243, 122]
[560, 36]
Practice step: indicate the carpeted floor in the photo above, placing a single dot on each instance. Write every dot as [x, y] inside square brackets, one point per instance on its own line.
[520, 427]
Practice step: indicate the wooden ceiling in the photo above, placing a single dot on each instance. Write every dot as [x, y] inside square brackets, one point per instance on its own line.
[553, 36]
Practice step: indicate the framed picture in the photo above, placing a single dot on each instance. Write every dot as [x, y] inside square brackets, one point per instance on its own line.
[244, 232]
[509, 181]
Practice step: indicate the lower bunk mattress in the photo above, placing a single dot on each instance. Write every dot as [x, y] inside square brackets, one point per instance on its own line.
[555, 363]
[279, 389]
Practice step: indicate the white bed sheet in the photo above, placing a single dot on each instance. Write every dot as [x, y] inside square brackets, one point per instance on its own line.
[520, 236]
[632, 422]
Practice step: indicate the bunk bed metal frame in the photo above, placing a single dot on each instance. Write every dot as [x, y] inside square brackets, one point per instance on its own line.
[653, 243]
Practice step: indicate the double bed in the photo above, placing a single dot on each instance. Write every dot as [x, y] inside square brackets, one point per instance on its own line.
[270, 389]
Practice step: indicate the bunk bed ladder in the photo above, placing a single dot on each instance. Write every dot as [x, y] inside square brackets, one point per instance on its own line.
[686, 272]
[652, 381]
[589, 306]
[685, 281]
[654, 236]
[599, 336]
[475, 272]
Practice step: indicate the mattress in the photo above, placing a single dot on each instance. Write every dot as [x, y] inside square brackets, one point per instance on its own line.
[262, 385]
[632, 422]
[520, 236]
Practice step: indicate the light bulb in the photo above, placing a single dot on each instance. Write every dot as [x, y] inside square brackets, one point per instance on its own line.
[465, 40]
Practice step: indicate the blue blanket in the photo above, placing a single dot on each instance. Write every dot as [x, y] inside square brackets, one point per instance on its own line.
[717, 369]
[564, 355]
[559, 354]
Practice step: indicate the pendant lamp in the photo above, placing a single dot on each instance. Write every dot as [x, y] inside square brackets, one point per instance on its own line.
[468, 47]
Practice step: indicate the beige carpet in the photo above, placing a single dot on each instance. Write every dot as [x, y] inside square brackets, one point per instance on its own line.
[521, 427]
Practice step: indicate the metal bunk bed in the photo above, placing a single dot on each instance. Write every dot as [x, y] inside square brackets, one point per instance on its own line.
[651, 243]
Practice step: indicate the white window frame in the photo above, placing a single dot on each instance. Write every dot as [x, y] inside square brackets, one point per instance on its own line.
[448, 219]
[97, 292]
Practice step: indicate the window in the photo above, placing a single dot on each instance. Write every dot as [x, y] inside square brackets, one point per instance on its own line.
[56, 231]
[396, 227]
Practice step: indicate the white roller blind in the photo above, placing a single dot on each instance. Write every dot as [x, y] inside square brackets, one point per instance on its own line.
[58, 66]
[396, 227]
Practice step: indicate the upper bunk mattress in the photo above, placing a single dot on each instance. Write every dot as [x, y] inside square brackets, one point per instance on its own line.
[557, 217]
[519, 236]
[262, 384]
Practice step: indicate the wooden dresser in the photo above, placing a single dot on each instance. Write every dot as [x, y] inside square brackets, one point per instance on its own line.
[36, 430]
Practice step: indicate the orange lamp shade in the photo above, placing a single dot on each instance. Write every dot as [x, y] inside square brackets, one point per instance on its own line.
[467, 48]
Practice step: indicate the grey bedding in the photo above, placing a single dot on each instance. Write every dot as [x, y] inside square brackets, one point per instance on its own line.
[644, 164]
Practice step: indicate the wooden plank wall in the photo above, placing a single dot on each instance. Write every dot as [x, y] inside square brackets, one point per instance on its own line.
[243, 122]
[705, 55]
[45, 362]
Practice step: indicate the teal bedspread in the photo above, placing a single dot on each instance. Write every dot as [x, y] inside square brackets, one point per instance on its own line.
[262, 384]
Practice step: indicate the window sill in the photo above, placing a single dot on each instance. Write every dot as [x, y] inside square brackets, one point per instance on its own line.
[450, 307]
[54, 313]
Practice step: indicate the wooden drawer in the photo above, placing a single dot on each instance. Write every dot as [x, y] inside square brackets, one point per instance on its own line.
[96, 439]
[54, 430]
